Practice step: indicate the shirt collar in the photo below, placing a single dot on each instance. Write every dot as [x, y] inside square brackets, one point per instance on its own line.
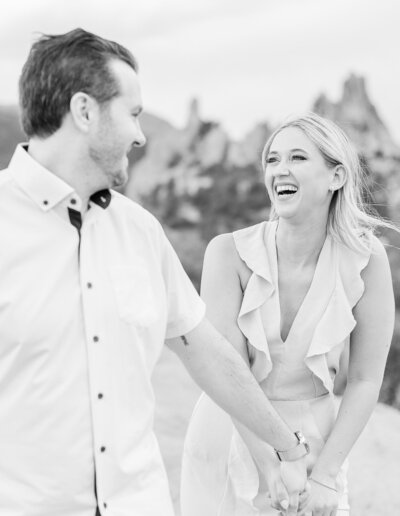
[101, 198]
[43, 187]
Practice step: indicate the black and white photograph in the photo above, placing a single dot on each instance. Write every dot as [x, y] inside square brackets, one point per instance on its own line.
[200, 258]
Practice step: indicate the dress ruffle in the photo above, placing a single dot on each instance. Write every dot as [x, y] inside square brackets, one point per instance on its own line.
[332, 329]
[250, 245]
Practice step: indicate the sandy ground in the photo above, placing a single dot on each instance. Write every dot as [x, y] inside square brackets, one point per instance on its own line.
[374, 464]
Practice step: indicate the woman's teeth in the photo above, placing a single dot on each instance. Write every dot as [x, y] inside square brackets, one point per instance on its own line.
[285, 190]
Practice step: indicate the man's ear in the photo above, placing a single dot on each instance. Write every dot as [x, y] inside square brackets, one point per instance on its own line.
[339, 177]
[83, 110]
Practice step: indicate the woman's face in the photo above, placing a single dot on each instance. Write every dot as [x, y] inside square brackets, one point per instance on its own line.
[297, 176]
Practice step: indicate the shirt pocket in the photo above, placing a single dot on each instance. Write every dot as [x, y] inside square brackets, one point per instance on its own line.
[135, 299]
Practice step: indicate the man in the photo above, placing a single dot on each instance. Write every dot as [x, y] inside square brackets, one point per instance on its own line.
[90, 288]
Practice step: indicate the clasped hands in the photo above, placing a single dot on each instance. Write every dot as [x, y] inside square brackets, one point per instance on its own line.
[293, 494]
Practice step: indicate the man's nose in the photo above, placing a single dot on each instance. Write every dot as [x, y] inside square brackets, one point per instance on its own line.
[140, 138]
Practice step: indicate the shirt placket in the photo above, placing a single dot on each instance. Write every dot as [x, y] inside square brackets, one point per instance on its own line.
[96, 342]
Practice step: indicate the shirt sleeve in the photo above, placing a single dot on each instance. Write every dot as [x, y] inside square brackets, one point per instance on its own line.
[185, 307]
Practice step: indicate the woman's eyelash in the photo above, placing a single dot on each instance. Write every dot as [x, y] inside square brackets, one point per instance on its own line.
[298, 157]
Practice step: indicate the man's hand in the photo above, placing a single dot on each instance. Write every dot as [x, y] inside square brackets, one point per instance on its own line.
[294, 479]
[287, 485]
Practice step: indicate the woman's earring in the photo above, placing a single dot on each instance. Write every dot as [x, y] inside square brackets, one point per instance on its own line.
[331, 189]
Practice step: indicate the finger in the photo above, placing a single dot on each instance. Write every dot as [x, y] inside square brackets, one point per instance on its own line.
[331, 512]
[304, 508]
[303, 499]
[284, 503]
[293, 504]
[307, 488]
[304, 512]
[281, 497]
[280, 503]
[274, 500]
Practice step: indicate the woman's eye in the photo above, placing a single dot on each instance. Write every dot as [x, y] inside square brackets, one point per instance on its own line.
[299, 157]
[271, 159]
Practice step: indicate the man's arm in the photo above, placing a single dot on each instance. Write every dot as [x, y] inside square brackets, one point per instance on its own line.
[219, 364]
[222, 373]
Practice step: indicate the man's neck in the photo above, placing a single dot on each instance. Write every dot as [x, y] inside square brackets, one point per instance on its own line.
[65, 159]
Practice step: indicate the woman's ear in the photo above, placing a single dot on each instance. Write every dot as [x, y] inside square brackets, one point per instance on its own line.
[83, 110]
[339, 178]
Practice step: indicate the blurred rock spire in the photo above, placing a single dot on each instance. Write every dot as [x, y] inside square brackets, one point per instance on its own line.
[356, 114]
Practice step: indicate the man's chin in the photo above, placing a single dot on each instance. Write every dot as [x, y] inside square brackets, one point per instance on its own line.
[119, 178]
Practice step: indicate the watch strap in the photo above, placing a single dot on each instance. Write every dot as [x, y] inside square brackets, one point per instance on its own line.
[300, 450]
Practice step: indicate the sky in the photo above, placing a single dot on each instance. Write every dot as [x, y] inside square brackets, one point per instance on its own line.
[246, 61]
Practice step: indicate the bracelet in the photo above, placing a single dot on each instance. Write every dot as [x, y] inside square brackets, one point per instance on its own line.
[324, 485]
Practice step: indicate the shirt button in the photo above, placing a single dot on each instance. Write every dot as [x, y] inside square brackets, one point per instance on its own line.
[105, 505]
[96, 338]
[103, 449]
[89, 285]
[73, 201]
[45, 202]
[100, 395]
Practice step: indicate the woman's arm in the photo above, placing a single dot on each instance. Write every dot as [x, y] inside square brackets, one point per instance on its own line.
[224, 279]
[369, 347]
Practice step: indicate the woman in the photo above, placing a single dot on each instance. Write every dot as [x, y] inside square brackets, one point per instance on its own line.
[290, 294]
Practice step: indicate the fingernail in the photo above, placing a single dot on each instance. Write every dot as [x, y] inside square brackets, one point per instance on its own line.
[284, 504]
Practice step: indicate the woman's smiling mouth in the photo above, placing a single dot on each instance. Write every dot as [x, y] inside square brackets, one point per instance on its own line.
[285, 191]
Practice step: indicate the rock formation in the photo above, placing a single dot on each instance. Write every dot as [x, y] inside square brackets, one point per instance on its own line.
[356, 114]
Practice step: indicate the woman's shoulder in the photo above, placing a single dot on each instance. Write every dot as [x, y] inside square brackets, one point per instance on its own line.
[372, 257]
[359, 269]
[378, 263]
[221, 247]
[222, 256]
[229, 246]
[236, 252]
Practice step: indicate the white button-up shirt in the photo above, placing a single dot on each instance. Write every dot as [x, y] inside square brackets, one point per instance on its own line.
[83, 318]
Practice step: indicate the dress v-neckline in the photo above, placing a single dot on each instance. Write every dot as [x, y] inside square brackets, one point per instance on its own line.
[307, 295]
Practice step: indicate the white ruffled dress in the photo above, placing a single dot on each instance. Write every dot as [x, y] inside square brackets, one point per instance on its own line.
[219, 477]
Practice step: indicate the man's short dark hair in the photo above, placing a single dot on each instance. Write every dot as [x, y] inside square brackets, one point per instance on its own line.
[58, 66]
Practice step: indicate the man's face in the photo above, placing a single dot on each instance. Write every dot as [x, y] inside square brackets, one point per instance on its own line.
[118, 127]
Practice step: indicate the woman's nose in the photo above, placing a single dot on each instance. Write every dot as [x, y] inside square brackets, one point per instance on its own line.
[282, 169]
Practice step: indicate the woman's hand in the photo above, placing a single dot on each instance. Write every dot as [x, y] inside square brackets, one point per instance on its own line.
[323, 500]
[287, 485]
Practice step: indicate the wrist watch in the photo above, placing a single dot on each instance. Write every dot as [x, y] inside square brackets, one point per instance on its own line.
[300, 450]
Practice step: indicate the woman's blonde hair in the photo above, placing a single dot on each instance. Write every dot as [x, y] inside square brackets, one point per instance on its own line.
[350, 221]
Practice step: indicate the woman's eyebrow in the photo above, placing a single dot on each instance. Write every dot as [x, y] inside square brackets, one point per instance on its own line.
[298, 150]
